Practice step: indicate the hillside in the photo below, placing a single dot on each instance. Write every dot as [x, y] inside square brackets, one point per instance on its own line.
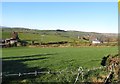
[56, 35]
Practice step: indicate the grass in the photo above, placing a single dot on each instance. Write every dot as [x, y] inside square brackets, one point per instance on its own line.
[5, 35]
[26, 59]
[38, 37]
[59, 58]
[48, 35]
[29, 59]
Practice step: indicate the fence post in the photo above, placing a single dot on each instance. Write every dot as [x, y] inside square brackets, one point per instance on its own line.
[111, 73]
[79, 71]
[82, 73]
[35, 73]
[48, 72]
[19, 74]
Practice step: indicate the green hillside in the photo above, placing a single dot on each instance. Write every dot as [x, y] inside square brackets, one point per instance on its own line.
[54, 35]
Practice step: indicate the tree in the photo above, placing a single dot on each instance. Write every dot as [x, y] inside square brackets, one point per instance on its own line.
[15, 35]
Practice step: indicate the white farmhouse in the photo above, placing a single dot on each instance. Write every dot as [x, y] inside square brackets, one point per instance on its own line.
[95, 41]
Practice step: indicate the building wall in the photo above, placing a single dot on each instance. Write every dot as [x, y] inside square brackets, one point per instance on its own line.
[96, 42]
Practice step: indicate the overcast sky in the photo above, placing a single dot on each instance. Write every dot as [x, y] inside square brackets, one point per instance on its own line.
[82, 16]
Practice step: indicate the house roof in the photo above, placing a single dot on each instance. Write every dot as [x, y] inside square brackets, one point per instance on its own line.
[95, 40]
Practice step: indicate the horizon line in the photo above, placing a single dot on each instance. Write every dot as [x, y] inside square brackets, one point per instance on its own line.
[58, 29]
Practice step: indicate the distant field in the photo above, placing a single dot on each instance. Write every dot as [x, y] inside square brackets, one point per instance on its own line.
[38, 37]
[55, 35]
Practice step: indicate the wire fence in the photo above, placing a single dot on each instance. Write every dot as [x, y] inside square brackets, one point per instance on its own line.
[79, 72]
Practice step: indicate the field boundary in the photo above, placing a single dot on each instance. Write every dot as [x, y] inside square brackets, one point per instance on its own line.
[80, 71]
[46, 72]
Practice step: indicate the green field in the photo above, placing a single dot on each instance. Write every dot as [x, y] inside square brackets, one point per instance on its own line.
[26, 59]
[56, 58]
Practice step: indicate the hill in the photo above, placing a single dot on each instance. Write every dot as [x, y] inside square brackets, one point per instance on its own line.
[57, 35]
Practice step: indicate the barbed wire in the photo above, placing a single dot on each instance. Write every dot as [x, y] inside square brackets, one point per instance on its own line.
[79, 72]
[45, 72]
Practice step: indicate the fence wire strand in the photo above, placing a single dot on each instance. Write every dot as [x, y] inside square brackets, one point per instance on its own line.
[79, 72]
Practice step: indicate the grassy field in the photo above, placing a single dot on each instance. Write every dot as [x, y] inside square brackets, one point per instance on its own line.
[26, 59]
[58, 58]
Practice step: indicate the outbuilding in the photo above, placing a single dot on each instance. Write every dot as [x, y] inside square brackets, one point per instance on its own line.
[96, 41]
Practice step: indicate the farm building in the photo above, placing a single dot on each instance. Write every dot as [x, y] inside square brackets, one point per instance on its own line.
[13, 41]
[9, 42]
[96, 41]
